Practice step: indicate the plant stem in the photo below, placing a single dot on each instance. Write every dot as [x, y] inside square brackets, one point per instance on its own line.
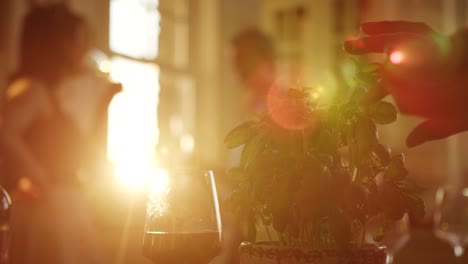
[363, 238]
[282, 239]
[355, 174]
[304, 142]
[268, 231]
[352, 154]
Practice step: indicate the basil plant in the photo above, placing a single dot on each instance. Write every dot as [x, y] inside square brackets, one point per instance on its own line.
[313, 174]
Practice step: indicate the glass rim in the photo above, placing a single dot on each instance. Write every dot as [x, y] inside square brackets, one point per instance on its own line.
[192, 170]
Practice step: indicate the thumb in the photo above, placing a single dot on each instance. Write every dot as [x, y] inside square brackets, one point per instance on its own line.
[435, 129]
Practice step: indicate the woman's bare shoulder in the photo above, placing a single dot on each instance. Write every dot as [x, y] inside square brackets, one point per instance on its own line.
[26, 96]
[25, 90]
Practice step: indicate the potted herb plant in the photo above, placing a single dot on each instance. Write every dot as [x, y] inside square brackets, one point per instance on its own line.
[313, 174]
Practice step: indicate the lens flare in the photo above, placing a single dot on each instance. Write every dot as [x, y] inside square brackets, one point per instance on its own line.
[288, 110]
[133, 129]
[396, 57]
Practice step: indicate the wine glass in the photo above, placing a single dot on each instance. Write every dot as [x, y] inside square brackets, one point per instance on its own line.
[183, 223]
[451, 217]
[397, 235]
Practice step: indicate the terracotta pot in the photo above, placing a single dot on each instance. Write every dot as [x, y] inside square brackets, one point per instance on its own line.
[269, 253]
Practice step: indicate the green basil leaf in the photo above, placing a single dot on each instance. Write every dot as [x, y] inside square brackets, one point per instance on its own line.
[395, 203]
[366, 136]
[380, 234]
[239, 135]
[251, 149]
[384, 153]
[383, 112]
[369, 68]
[408, 186]
[415, 205]
[396, 168]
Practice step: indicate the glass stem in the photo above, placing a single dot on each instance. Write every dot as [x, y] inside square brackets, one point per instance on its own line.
[458, 250]
[389, 258]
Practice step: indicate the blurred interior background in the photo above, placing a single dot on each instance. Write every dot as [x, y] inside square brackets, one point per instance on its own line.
[181, 96]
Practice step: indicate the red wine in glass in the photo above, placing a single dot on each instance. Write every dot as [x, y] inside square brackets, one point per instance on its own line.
[181, 248]
[183, 223]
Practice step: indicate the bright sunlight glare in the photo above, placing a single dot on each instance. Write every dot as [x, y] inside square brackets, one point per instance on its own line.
[465, 192]
[134, 28]
[159, 181]
[133, 131]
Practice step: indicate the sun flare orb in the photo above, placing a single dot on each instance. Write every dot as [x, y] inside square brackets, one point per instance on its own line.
[396, 57]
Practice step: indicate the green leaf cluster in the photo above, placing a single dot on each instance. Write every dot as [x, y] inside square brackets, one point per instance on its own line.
[318, 186]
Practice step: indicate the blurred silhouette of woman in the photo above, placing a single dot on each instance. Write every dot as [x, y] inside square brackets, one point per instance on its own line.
[50, 220]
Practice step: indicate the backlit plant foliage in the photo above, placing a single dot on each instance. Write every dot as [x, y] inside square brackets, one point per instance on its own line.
[316, 173]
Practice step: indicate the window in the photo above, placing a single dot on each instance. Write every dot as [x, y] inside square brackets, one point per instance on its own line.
[134, 28]
[133, 131]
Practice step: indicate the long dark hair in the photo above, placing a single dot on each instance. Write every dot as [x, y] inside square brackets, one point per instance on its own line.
[46, 31]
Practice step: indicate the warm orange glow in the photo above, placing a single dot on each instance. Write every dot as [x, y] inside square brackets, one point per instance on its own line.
[286, 113]
[18, 88]
[25, 184]
[133, 131]
[159, 181]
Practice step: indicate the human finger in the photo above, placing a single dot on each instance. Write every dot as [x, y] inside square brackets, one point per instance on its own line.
[376, 44]
[390, 27]
[435, 129]
[425, 95]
